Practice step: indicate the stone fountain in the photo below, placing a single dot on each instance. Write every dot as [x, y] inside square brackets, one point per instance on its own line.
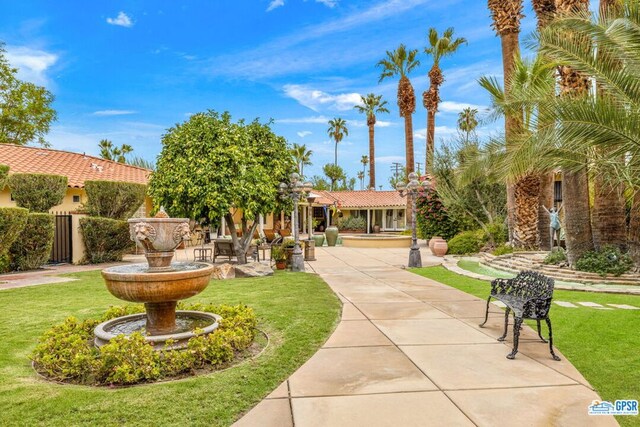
[159, 284]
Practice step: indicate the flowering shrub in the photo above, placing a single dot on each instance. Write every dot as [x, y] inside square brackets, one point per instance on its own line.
[432, 218]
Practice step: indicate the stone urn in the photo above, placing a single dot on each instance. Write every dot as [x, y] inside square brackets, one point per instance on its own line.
[319, 239]
[433, 241]
[440, 248]
[332, 235]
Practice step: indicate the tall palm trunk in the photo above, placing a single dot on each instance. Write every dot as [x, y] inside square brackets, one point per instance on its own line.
[430, 100]
[545, 11]
[372, 154]
[335, 158]
[526, 191]
[609, 216]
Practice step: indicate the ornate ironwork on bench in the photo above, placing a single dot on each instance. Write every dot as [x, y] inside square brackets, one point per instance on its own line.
[529, 296]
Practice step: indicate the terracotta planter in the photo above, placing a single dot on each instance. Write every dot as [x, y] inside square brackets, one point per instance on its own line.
[280, 265]
[331, 234]
[440, 248]
[433, 241]
[376, 229]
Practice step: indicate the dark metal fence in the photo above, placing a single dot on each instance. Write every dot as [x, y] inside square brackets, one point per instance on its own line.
[62, 246]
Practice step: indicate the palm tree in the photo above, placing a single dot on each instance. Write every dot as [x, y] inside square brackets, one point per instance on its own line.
[335, 173]
[364, 160]
[467, 122]
[117, 154]
[439, 47]
[506, 16]
[302, 157]
[337, 131]
[401, 62]
[372, 105]
[361, 178]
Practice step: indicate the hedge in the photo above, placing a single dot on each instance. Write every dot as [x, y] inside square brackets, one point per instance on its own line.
[115, 200]
[37, 192]
[4, 173]
[12, 222]
[105, 239]
[32, 248]
[467, 242]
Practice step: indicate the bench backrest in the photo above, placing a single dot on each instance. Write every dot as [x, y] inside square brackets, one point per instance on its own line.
[530, 284]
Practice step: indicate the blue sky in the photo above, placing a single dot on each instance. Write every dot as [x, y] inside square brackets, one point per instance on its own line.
[129, 70]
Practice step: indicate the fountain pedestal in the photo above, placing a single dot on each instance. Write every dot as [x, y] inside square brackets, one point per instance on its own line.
[161, 317]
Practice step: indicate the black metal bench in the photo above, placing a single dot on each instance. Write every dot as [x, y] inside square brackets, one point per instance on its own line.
[529, 296]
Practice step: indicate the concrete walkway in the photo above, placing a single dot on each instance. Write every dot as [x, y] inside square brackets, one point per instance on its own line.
[409, 352]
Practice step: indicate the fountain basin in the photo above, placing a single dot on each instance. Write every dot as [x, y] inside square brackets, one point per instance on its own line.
[376, 241]
[189, 324]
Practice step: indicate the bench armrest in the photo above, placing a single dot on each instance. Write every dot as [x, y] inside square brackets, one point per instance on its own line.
[500, 286]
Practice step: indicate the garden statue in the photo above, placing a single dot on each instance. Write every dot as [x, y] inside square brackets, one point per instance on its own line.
[554, 223]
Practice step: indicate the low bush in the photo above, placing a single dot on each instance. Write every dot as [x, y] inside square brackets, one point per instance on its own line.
[105, 240]
[467, 242]
[432, 218]
[4, 174]
[66, 351]
[115, 200]
[37, 192]
[12, 221]
[352, 223]
[497, 233]
[608, 260]
[555, 257]
[32, 248]
[502, 250]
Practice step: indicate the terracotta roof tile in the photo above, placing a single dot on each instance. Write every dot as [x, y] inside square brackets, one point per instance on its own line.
[78, 168]
[361, 199]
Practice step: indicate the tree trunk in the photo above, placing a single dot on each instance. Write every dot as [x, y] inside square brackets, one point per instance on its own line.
[575, 199]
[527, 195]
[241, 245]
[410, 167]
[431, 134]
[634, 228]
[510, 50]
[547, 189]
[335, 161]
[372, 158]
[609, 217]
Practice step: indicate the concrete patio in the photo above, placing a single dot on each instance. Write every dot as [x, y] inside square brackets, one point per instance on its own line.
[409, 352]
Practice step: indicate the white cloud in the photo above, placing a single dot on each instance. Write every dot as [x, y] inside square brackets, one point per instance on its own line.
[390, 159]
[113, 112]
[275, 4]
[305, 120]
[32, 64]
[122, 20]
[304, 133]
[362, 123]
[456, 107]
[316, 99]
[328, 3]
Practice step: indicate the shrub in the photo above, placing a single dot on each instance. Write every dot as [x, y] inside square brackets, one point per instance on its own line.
[467, 242]
[105, 240]
[497, 232]
[432, 217]
[32, 248]
[12, 221]
[502, 250]
[4, 173]
[66, 351]
[37, 192]
[352, 223]
[115, 200]
[555, 257]
[608, 260]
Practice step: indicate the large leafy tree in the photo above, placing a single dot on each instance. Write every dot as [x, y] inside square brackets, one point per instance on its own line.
[439, 48]
[371, 106]
[335, 174]
[506, 16]
[25, 108]
[302, 156]
[337, 131]
[108, 151]
[210, 165]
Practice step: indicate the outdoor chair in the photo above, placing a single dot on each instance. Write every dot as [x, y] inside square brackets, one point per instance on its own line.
[529, 296]
[269, 235]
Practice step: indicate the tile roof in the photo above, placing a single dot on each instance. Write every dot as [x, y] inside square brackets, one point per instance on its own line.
[361, 199]
[78, 168]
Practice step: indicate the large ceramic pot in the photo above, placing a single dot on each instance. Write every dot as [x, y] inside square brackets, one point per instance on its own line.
[319, 239]
[376, 229]
[332, 235]
[440, 248]
[433, 241]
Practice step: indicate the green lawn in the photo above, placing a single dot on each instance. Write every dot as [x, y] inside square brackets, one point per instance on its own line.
[602, 344]
[298, 311]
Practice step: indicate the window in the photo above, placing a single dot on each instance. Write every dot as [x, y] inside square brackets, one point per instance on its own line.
[76, 199]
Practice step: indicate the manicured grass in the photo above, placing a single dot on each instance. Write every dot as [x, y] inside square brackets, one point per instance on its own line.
[602, 344]
[298, 311]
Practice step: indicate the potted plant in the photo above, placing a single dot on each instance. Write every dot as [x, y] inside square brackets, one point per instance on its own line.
[279, 256]
[376, 228]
